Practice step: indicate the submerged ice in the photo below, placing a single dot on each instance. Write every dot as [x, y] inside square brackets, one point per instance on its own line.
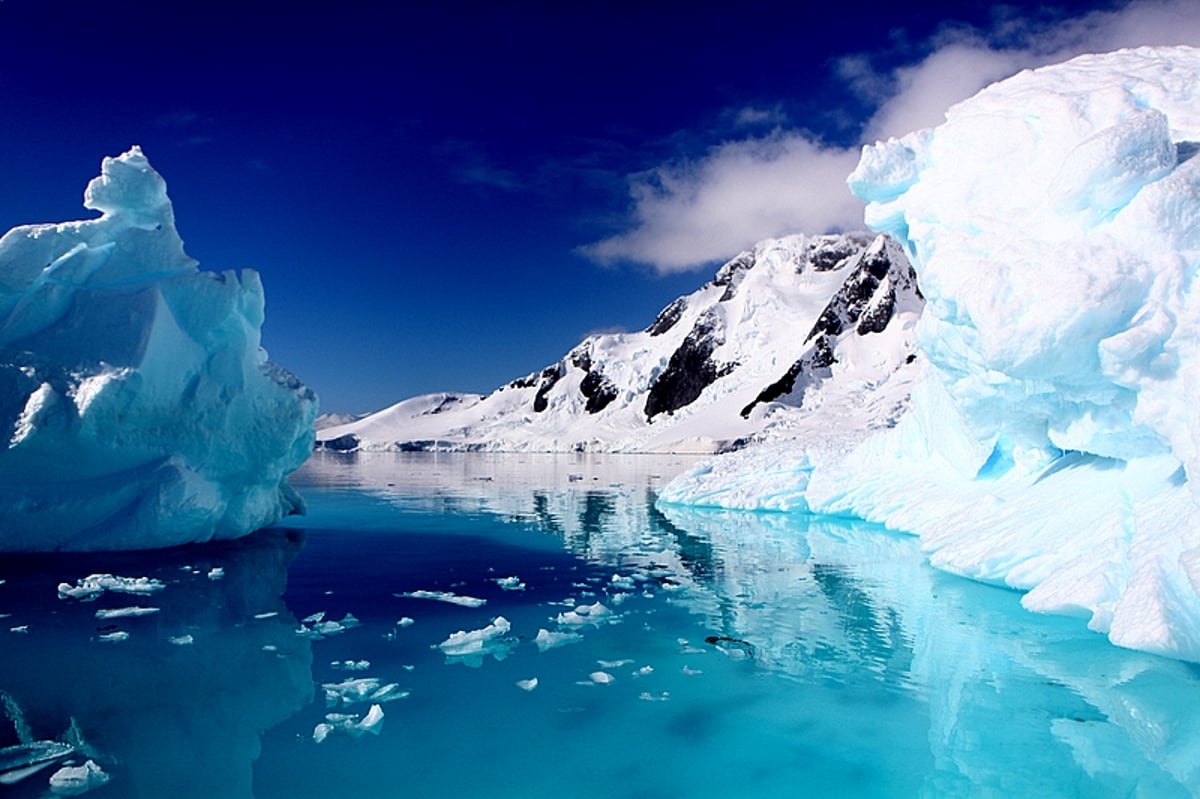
[1052, 442]
[136, 405]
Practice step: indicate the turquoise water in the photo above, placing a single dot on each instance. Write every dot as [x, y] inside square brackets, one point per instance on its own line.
[716, 654]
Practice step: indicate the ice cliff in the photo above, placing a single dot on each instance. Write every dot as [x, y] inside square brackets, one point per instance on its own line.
[136, 405]
[1053, 440]
[802, 333]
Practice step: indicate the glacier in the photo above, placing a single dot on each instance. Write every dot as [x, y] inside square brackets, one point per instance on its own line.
[1052, 441]
[137, 407]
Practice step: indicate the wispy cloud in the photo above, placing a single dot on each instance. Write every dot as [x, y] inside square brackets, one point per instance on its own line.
[688, 214]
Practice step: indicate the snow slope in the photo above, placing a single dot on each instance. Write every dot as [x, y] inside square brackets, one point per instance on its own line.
[136, 405]
[1053, 440]
[801, 332]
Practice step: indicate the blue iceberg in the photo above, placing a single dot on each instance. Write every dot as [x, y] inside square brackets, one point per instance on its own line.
[137, 408]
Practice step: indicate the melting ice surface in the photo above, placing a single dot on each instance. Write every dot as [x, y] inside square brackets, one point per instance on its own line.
[696, 653]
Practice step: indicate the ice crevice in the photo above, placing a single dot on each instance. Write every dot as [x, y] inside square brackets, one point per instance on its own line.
[1052, 441]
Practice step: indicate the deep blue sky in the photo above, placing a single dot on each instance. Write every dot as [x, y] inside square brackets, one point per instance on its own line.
[414, 182]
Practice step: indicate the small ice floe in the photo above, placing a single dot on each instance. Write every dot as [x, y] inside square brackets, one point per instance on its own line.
[510, 583]
[270, 614]
[644, 671]
[364, 689]
[548, 640]
[619, 598]
[527, 685]
[614, 664]
[182, 640]
[596, 614]
[601, 677]
[401, 623]
[23, 760]
[646, 696]
[350, 724]
[623, 582]
[124, 613]
[322, 628]
[270, 648]
[689, 671]
[446, 596]
[685, 648]
[350, 665]
[469, 647]
[20, 629]
[216, 573]
[92, 586]
[114, 637]
[77, 780]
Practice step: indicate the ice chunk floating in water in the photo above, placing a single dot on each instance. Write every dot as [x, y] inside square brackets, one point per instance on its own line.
[1053, 443]
[137, 408]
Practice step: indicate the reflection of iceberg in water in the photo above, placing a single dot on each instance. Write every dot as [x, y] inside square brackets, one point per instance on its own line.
[1129, 721]
[177, 707]
[1018, 705]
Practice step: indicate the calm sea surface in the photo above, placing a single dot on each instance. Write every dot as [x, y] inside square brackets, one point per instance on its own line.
[534, 626]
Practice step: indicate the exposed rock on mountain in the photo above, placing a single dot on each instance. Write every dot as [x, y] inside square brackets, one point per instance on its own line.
[793, 333]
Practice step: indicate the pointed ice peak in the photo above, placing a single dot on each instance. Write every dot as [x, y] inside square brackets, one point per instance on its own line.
[129, 186]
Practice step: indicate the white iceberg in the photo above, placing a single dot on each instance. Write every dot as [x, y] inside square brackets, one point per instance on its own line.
[77, 780]
[350, 725]
[546, 639]
[137, 408]
[469, 646]
[364, 689]
[595, 614]
[445, 596]
[1053, 440]
[92, 586]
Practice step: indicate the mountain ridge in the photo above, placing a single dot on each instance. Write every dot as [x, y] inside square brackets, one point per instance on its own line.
[779, 332]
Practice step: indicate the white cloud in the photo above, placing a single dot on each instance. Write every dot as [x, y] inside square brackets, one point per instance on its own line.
[686, 215]
[689, 215]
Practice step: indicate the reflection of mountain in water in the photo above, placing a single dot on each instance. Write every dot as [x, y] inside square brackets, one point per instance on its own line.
[1015, 702]
[176, 708]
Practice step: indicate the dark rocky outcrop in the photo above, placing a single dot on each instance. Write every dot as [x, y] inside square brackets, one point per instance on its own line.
[346, 443]
[730, 275]
[598, 390]
[866, 302]
[550, 375]
[689, 371]
[667, 317]
[826, 253]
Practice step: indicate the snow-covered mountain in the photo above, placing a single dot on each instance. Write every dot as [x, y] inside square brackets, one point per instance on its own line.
[800, 333]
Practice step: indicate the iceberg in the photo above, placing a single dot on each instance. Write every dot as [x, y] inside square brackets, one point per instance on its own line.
[137, 409]
[1052, 441]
